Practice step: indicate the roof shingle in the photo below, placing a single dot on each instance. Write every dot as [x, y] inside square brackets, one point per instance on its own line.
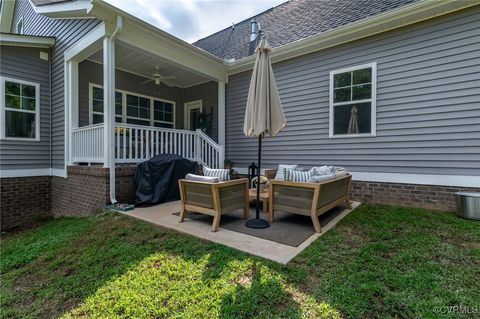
[292, 21]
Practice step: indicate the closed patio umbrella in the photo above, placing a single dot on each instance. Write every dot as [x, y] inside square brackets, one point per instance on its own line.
[264, 113]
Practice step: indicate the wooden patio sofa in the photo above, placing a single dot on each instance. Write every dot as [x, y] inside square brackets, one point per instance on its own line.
[213, 199]
[309, 199]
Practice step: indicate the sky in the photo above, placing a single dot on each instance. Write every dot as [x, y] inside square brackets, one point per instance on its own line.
[191, 20]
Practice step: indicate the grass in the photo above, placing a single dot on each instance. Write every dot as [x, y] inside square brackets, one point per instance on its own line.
[379, 262]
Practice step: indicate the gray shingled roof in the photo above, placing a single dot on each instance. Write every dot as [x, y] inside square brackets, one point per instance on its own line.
[45, 2]
[294, 20]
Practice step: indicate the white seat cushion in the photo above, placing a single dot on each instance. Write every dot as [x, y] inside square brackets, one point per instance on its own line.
[321, 178]
[327, 177]
[323, 170]
[199, 178]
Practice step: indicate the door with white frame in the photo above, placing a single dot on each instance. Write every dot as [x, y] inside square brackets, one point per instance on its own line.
[191, 113]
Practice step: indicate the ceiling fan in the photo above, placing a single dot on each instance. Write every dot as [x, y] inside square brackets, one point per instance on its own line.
[159, 78]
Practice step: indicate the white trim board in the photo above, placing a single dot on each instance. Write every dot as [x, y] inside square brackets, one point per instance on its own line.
[6, 15]
[420, 179]
[26, 40]
[372, 100]
[25, 172]
[19, 26]
[424, 179]
[58, 172]
[9, 173]
[4, 109]
[186, 111]
[65, 10]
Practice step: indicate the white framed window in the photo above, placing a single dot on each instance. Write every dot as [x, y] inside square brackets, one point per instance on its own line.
[132, 108]
[353, 101]
[19, 109]
[19, 26]
[96, 103]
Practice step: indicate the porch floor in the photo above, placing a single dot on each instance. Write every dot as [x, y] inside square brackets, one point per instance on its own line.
[163, 215]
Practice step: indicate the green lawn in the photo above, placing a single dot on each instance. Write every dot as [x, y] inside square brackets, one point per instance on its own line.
[379, 262]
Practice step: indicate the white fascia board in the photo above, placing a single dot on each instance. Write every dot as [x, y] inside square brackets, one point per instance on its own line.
[6, 15]
[65, 10]
[26, 40]
[86, 46]
[400, 178]
[414, 13]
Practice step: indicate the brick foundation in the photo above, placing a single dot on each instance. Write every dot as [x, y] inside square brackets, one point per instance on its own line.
[24, 200]
[86, 190]
[124, 184]
[408, 195]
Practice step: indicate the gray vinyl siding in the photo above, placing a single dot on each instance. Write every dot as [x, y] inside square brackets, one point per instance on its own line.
[428, 103]
[91, 72]
[66, 33]
[208, 93]
[24, 63]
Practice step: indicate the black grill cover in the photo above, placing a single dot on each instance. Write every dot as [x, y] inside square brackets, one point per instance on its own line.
[157, 178]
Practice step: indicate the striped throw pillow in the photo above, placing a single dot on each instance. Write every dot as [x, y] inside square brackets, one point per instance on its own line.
[222, 174]
[297, 176]
[280, 176]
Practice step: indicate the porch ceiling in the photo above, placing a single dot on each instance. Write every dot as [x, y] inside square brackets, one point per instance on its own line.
[137, 61]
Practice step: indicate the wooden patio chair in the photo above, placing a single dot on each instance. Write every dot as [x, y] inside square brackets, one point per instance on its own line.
[213, 199]
[309, 199]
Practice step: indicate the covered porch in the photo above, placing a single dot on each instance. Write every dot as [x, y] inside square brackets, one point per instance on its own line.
[131, 95]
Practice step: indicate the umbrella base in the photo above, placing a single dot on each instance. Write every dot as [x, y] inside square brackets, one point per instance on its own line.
[257, 223]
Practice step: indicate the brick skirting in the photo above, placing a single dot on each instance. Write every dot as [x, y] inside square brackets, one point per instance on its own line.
[408, 195]
[24, 200]
[86, 189]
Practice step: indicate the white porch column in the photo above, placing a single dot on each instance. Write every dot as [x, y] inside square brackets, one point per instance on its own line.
[221, 122]
[221, 113]
[108, 101]
[71, 94]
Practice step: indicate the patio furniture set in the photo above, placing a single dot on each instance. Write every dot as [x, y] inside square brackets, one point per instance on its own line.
[289, 190]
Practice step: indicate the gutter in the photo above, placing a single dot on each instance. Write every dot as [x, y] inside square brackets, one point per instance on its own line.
[50, 58]
[26, 40]
[113, 198]
[65, 10]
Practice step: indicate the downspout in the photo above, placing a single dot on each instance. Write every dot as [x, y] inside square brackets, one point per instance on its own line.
[113, 198]
[50, 58]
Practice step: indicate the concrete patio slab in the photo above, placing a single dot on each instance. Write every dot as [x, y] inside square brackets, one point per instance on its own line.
[162, 215]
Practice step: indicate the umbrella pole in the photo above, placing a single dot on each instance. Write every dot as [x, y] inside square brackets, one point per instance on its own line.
[257, 213]
[258, 223]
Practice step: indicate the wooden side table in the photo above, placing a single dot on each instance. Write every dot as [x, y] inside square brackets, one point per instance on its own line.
[264, 197]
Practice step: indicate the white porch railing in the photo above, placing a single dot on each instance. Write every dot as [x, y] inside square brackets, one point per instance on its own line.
[134, 144]
[88, 144]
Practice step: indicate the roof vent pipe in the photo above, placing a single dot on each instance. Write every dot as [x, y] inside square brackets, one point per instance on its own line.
[254, 32]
